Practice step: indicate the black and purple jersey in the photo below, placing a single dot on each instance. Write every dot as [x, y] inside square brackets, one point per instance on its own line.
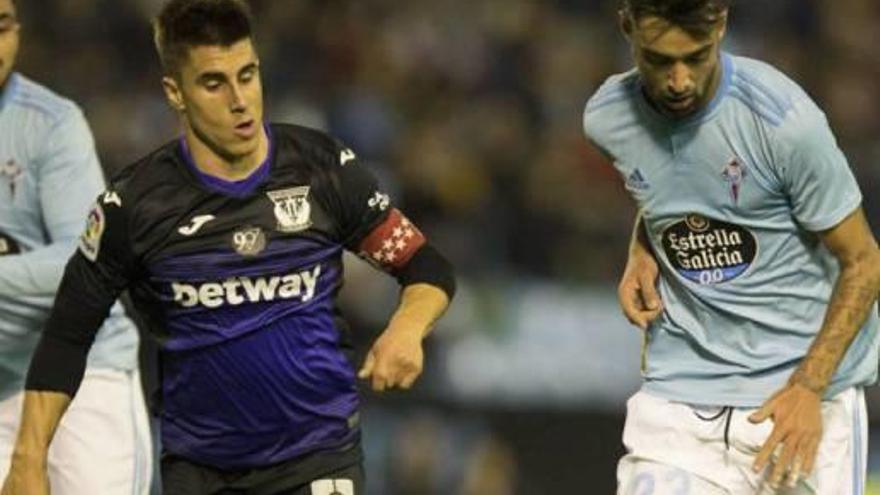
[238, 282]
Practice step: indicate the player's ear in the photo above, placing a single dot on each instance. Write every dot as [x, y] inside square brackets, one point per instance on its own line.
[722, 26]
[625, 22]
[173, 93]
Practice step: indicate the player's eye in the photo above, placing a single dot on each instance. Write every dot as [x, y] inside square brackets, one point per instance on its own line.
[212, 85]
[657, 60]
[698, 58]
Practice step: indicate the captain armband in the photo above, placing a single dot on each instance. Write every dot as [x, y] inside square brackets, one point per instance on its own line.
[392, 243]
[399, 247]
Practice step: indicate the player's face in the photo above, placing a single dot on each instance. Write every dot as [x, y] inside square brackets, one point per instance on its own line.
[8, 39]
[220, 95]
[680, 72]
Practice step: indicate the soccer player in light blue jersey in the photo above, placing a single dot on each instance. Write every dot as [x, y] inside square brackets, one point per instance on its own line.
[762, 329]
[49, 175]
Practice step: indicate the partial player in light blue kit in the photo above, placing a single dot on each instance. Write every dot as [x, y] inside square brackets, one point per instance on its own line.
[768, 273]
[49, 175]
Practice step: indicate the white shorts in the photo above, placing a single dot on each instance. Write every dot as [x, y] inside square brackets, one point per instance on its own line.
[672, 451]
[102, 446]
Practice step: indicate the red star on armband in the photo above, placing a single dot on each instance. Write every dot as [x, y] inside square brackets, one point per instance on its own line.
[393, 242]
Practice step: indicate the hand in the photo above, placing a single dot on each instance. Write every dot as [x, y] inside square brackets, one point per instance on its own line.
[797, 417]
[395, 360]
[637, 292]
[26, 478]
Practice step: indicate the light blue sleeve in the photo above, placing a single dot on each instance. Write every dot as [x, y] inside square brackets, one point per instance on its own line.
[815, 173]
[69, 177]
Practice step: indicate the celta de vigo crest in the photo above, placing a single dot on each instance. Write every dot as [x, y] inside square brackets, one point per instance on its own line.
[292, 208]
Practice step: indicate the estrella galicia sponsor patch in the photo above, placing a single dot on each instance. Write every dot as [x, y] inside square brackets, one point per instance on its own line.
[8, 245]
[709, 251]
[90, 240]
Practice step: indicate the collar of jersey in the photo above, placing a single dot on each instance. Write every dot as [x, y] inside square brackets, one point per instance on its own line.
[8, 89]
[236, 188]
[702, 115]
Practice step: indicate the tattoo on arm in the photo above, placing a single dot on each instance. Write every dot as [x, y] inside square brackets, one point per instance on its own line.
[851, 301]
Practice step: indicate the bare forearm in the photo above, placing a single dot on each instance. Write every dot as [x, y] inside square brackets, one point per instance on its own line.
[853, 298]
[40, 417]
[639, 240]
[420, 306]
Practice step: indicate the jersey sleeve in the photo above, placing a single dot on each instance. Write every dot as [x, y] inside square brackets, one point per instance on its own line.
[593, 130]
[381, 234]
[101, 268]
[69, 175]
[814, 172]
[359, 203]
[370, 225]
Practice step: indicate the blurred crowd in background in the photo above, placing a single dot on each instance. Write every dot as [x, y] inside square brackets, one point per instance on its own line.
[470, 113]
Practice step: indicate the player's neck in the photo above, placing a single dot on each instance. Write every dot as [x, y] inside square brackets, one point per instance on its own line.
[230, 168]
[5, 84]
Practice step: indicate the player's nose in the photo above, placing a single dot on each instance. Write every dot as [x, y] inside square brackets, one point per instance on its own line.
[237, 102]
[679, 79]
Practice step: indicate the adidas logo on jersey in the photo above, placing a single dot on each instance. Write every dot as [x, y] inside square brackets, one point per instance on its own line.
[636, 181]
[239, 290]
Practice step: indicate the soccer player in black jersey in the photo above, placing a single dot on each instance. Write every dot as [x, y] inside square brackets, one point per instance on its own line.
[230, 242]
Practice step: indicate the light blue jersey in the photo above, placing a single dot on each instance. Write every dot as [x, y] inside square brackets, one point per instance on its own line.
[732, 198]
[49, 176]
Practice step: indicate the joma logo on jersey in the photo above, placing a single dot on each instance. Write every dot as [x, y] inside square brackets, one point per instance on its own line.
[239, 290]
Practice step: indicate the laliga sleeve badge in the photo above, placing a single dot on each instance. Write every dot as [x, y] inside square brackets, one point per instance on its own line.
[90, 240]
[292, 209]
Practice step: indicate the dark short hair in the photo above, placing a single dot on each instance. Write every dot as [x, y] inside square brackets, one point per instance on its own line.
[694, 16]
[184, 24]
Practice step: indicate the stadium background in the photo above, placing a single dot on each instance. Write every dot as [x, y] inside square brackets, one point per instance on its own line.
[469, 110]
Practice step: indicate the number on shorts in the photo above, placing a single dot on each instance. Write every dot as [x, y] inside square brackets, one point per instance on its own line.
[332, 487]
[643, 484]
[682, 479]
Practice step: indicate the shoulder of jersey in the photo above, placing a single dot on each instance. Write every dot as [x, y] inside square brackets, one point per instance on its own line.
[617, 89]
[155, 170]
[33, 96]
[765, 90]
[317, 147]
[610, 111]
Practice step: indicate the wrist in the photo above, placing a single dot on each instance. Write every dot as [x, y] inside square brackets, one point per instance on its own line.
[31, 458]
[813, 384]
[408, 326]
